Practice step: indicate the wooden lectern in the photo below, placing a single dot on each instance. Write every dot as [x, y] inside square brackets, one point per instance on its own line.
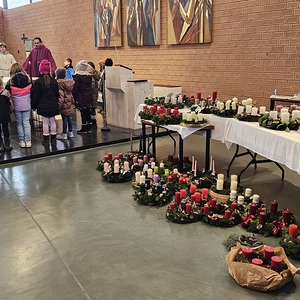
[124, 95]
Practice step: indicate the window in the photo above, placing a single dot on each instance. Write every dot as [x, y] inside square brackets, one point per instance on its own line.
[15, 3]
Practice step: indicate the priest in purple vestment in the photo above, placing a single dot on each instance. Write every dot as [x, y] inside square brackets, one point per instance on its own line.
[37, 54]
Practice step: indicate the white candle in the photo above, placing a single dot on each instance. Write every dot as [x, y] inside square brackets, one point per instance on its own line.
[233, 105]
[126, 166]
[173, 100]
[161, 165]
[142, 179]
[295, 114]
[210, 164]
[262, 110]
[249, 101]
[221, 176]
[248, 109]
[146, 168]
[255, 199]
[213, 169]
[184, 116]
[227, 105]
[193, 162]
[284, 110]
[221, 106]
[240, 200]
[150, 173]
[189, 117]
[240, 109]
[233, 177]
[284, 117]
[220, 184]
[179, 98]
[233, 185]
[274, 114]
[193, 114]
[137, 176]
[195, 168]
[248, 192]
[218, 104]
[200, 117]
[116, 168]
[106, 167]
[244, 102]
[254, 111]
[152, 165]
[235, 99]
[116, 161]
[233, 195]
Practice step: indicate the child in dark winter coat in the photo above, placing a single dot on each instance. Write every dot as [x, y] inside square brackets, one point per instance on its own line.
[65, 103]
[19, 86]
[83, 95]
[5, 109]
[44, 99]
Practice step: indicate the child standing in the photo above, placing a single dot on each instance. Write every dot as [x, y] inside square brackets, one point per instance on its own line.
[83, 95]
[44, 99]
[5, 108]
[19, 86]
[95, 86]
[65, 103]
[69, 68]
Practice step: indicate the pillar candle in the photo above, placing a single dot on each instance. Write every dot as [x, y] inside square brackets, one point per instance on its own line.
[248, 192]
[146, 168]
[183, 193]
[106, 167]
[262, 218]
[142, 179]
[257, 262]
[126, 166]
[240, 109]
[233, 194]
[276, 263]
[105, 158]
[175, 171]
[161, 165]
[262, 110]
[287, 214]
[240, 200]
[116, 158]
[150, 173]
[156, 169]
[116, 161]
[274, 114]
[233, 105]
[248, 109]
[221, 176]
[167, 172]
[181, 180]
[121, 156]
[247, 253]
[220, 184]
[152, 164]
[233, 177]
[214, 95]
[116, 168]
[274, 206]
[233, 185]
[213, 202]
[206, 209]
[193, 189]
[255, 199]
[268, 252]
[170, 178]
[193, 198]
[172, 206]
[293, 230]
[234, 206]
[253, 208]
[284, 117]
[204, 193]
[254, 111]
[177, 197]
[188, 208]
[109, 155]
[197, 197]
[156, 178]
[137, 176]
[169, 111]
[227, 214]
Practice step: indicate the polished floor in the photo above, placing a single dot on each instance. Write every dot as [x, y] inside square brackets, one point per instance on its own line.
[66, 235]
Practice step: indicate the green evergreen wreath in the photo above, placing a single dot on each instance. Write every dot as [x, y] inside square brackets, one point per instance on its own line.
[291, 246]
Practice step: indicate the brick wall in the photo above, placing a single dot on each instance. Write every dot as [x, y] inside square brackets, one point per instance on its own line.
[2, 35]
[255, 48]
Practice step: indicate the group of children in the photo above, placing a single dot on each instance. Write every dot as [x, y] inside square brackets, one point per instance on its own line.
[49, 97]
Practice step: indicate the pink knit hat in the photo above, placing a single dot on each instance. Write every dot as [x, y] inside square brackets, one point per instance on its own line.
[45, 67]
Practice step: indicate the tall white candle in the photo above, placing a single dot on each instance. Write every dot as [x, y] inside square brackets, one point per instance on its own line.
[284, 117]
[254, 111]
[150, 173]
[233, 185]
[146, 167]
[142, 179]
[274, 114]
[233, 177]
[213, 169]
[248, 109]
[221, 106]
[184, 116]
[137, 176]
[210, 164]
[195, 168]
[106, 167]
[262, 110]
[193, 162]
[221, 176]
[152, 165]
[126, 166]
[200, 117]
[220, 184]
[241, 109]
[233, 105]
[116, 168]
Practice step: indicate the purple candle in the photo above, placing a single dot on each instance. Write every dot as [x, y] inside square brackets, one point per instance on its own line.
[156, 178]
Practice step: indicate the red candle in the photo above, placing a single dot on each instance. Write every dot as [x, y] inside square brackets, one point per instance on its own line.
[152, 110]
[177, 197]
[274, 207]
[181, 180]
[172, 206]
[276, 263]
[199, 96]
[287, 214]
[116, 157]
[193, 189]
[105, 158]
[233, 206]
[155, 107]
[268, 252]
[109, 155]
[247, 252]
[188, 208]
[170, 178]
[198, 196]
[169, 111]
[206, 209]
[262, 218]
[213, 202]
[253, 209]
[193, 198]
[183, 193]
[145, 107]
[293, 230]
[227, 214]
[257, 262]
[204, 193]
[121, 156]
[214, 96]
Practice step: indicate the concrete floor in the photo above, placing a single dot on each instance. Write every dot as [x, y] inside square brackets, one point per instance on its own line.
[67, 235]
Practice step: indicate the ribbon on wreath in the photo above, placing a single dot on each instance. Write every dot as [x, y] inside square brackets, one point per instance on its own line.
[277, 227]
[247, 218]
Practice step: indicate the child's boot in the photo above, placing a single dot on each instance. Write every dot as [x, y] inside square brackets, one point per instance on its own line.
[46, 140]
[7, 145]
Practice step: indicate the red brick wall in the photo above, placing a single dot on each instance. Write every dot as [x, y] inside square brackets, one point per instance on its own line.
[255, 48]
[2, 35]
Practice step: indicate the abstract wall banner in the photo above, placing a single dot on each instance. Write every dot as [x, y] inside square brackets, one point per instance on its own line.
[143, 22]
[107, 23]
[189, 21]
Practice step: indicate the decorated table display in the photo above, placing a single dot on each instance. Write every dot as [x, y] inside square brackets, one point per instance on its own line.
[263, 268]
[281, 121]
[291, 242]
[160, 115]
[192, 119]
[248, 113]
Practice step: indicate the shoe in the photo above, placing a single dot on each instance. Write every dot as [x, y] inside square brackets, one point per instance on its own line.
[22, 144]
[28, 144]
[70, 134]
[83, 129]
[62, 136]
[46, 141]
[7, 145]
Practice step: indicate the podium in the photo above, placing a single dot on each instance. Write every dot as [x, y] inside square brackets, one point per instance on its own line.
[123, 96]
